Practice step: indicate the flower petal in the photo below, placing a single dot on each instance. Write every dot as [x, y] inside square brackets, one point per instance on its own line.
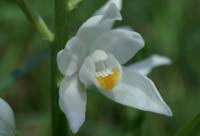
[138, 91]
[99, 24]
[70, 58]
[73, 102]
[128, 28]
[123, 44]
[103, 9]
[7, 120]
[145, 66]
[87, 72]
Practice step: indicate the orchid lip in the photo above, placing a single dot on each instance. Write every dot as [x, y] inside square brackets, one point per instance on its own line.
[107, 75]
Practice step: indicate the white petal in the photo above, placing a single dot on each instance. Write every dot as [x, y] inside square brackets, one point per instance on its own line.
[128, 28]
[123, 44]
[7, 120]
[103, 9]
[145, 66]
[98, 25]
[87, 72]
[73, 102]
[70, 58]
[138, 91]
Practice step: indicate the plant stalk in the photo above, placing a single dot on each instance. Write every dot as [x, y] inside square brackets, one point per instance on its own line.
[36, 19]
[59, 124]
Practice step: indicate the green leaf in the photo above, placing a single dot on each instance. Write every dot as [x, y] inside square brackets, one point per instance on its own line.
[36, 19]
[192, 128]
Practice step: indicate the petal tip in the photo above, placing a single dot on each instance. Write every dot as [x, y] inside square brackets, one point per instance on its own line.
[75, 128]
[118, 3]
[106, 6]
[162, 59]
[169, 112]
[74, 121]
[138, 38]
[113, 11]
[166, 110]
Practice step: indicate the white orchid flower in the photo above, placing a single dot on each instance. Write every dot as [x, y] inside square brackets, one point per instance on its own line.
[7, 120]
[95, 56]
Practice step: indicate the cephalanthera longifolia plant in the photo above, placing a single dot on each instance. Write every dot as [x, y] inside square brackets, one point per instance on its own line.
[94, 57]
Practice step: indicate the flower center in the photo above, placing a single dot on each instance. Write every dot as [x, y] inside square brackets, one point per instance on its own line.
[107, 71]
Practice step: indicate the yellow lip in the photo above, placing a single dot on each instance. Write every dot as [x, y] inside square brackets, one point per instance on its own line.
[109, 82]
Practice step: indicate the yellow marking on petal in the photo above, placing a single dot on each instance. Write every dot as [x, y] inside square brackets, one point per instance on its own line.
[109, 82]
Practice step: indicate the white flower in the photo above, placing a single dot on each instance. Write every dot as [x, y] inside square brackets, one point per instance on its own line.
[7, 120]
[95, 56]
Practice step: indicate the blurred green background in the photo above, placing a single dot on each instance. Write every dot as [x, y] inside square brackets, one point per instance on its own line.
[169, 27]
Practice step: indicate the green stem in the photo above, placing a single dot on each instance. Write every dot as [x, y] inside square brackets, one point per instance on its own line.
[36, 20]
[59, 127]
